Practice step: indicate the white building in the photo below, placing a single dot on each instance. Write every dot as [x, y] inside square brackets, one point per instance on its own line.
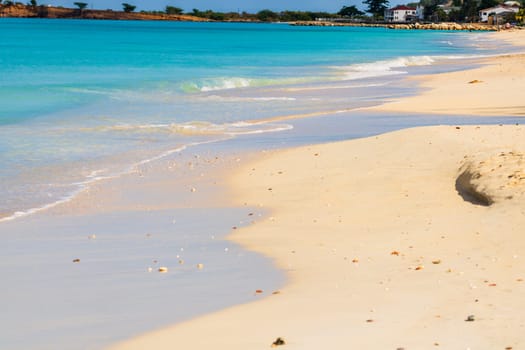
[500, 10]
[403, 13]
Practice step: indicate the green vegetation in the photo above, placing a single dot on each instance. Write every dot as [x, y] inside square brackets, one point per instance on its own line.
[172, 10]
[128, 7]
[81, 5]
[262, 16]
[376, 8]
[350, 11]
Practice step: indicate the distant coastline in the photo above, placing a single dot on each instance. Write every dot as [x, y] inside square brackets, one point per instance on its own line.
[28, 11]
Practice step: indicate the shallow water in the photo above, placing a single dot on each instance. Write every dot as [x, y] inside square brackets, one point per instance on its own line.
[87, 100]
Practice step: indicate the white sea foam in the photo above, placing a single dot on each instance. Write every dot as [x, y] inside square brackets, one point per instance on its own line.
[384, 67]
[225, 131]
[217, 84]
[246, 99]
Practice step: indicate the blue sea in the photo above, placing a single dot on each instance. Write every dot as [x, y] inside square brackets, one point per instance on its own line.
[83, 101]
[87, 100]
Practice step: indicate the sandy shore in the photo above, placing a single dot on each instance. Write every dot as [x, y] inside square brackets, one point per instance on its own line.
[496, 88]
[408, 240]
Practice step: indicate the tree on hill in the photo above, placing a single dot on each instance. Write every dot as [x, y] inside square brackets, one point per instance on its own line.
[80, 5]
[172, 10]
[485, 4]
[350, 11]
[33, 3]
[520, 16]
[376, 7]
[469, 10]
[267, 16]
[128, 7]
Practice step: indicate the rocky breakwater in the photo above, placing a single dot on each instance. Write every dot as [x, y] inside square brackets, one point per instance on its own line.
[408, 26]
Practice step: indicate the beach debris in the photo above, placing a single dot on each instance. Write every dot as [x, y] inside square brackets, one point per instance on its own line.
[436, 262]
[278, 342]
[150, 269]
[400, 348]
[395, 252]
[276, 292]
[200, 266]
[369, 320]
[492, 284]
[355, 260]
[163, 269]
[470, 318]
[258, 291]
[76, 260]
[475, 81]
[93, 236]
[420, 267]
[193, 189]
[181, 262]
[508, 348]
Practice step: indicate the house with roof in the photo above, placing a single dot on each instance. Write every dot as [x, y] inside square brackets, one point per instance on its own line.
[403, 13]
[498, 11]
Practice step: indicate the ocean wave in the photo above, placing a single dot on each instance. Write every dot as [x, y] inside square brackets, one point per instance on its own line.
[207, 85]
[222, 131]
[194, 128]
[246, 98]
[229, 83]
[383, 67]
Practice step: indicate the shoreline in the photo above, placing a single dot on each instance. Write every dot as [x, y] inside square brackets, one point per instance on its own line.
[497, 80]
[376, 239]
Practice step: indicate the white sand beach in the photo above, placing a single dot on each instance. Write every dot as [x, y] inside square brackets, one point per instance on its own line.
[407, 240]
[496, 88]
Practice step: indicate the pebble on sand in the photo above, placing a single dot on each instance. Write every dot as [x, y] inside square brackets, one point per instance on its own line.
[163, 269]
[200, 266]
[278, 342]
[76, 260]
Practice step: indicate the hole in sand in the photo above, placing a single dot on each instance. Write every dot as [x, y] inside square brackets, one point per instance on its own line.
[468, 192]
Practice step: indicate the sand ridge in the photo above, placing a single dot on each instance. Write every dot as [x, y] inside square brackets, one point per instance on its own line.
[493, 178]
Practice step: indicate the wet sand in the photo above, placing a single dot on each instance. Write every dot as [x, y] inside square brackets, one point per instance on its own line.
[407, 240]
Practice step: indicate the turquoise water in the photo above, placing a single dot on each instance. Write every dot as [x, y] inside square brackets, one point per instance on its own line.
[87, 100]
